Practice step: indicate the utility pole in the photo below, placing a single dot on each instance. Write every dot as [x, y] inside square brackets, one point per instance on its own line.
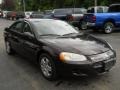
[24, 6]
[74, 3]
[95, 3]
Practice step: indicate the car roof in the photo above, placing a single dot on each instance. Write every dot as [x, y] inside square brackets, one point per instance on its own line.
[115, 4]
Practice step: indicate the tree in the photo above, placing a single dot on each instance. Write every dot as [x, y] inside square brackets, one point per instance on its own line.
[8, 5]
[51, 4]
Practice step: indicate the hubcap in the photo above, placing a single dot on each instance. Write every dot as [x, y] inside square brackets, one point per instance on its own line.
[46, 67]
[109, 28]
[7, 47]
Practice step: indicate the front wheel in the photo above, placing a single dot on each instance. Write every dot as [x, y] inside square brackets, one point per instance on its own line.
[47, 67]
[108, 27]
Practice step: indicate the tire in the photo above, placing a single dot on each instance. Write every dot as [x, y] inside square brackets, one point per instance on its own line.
[9, 49]
[108, 27]
[83, 25]
[47, 67]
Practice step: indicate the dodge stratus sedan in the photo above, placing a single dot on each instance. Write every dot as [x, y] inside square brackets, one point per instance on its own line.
[58, 48]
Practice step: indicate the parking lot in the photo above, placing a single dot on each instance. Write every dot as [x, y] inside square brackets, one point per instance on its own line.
[17, 73]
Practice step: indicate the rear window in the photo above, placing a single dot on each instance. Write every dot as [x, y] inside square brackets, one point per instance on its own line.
[115, 8]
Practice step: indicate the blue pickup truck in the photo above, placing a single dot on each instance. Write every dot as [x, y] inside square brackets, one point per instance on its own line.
[105, 21]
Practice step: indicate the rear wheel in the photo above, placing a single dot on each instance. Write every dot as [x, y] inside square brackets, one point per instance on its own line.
[108, 27]
[47, 67]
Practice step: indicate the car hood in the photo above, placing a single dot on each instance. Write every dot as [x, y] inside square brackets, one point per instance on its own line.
[81, 44]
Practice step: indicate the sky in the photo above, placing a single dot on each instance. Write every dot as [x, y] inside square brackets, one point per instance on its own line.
[0, 1]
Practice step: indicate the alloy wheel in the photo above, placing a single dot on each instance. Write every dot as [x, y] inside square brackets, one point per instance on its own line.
[108, 27]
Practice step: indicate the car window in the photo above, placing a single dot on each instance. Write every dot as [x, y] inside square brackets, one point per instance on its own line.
[62, 11]
[99, 9]
[79, 11]
[56, 27]
[17, 27]
[27, 29]
[114, 8]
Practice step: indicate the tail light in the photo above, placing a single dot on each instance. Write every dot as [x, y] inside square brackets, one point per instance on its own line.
[93, 18]
[70, 18]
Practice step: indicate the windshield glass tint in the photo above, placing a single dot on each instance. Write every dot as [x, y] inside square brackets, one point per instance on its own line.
[56, 27]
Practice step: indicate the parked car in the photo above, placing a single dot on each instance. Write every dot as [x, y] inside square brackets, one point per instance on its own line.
[107, 22]
[28, 14]
[71, 15]
[37, 15]
[1, 14]
[15, 15]
[95, 9]
[58, 48]
[11, 15]
[61, 13]
[5, 14]
[76, 16]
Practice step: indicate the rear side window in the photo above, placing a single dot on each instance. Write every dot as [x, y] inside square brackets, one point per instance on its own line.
[91, 10]
[115, 8]
[99, 10]
[27, 28]
[17, 27]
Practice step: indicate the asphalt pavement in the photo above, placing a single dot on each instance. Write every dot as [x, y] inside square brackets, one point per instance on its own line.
[17, 73]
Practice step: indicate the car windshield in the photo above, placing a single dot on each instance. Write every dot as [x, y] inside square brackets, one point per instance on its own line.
[53, 27]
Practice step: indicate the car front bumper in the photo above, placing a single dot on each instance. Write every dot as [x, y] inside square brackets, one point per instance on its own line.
[87, 69]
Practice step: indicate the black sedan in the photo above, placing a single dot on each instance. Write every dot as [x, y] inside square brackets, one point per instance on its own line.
[58, 48]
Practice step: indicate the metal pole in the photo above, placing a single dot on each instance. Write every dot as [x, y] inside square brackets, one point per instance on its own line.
[95, 6]
[74, 2]
[95, 2]
[24, 5]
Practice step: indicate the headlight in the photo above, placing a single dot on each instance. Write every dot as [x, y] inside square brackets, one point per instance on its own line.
[66, 56]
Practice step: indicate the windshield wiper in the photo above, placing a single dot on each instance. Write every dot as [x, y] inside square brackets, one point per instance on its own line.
[50, 35]
[69, 34]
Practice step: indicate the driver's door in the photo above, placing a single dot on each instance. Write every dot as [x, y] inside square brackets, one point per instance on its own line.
[29, 42]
